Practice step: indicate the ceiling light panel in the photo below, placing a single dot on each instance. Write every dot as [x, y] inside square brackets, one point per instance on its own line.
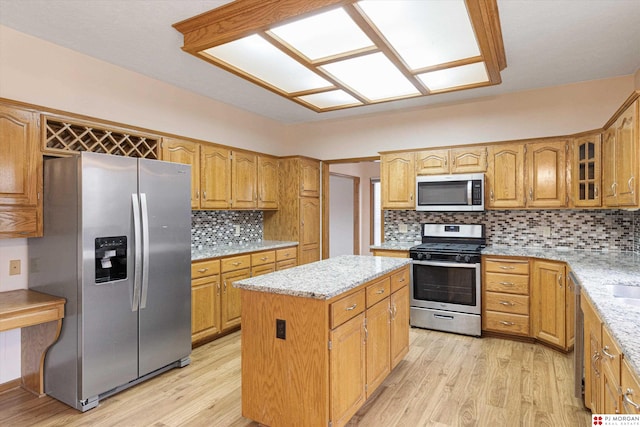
[373, 76]
[326, 34]
[424, 33]
[259, 58]
[454, 77]
[330, 99]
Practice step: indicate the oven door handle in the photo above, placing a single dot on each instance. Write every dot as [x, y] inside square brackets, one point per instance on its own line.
[446, 264]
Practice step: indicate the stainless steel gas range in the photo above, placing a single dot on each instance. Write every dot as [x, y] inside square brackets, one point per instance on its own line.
[445, 278]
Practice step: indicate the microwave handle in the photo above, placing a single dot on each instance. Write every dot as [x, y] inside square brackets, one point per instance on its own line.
[470, 192]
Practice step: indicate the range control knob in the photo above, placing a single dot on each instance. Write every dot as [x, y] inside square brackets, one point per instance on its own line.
[427, 256]
[467, 258]
[419, 255]
[458, 258]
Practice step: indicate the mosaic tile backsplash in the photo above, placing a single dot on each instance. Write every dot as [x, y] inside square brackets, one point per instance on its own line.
[613, 230]
[210, 228]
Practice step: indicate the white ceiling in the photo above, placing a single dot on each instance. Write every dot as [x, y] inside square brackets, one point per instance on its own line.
[547, 43]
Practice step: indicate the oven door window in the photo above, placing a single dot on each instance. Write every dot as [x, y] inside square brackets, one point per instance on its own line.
[453, 285]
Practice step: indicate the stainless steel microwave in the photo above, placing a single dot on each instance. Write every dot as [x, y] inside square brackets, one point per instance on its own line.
[463, 192]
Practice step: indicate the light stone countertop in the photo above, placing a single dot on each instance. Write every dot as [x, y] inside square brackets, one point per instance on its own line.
[596, 271]
[237, 249]
[395, 246]
[324, 279]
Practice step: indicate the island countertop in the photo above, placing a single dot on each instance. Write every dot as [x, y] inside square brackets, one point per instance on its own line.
[324, 279]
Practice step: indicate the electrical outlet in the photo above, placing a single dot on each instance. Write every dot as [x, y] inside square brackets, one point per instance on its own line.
[237, 233]
[546, 231]
[402, 228]
[14, 267]
[281, 329]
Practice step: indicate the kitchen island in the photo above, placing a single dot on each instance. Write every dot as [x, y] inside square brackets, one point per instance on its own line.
[318, 339]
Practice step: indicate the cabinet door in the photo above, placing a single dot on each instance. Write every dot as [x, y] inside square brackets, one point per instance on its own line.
[309, 178]
[244, 173]
[188, 153]
[309, 241]
[268, 182]
[548, 308]
[399, 325]
[609, 167]
[468, 159]
[627, 157]
[215, 177]
[231, 298]
[205, 308]
[378, 344]
[630, 390]
[547, 167]
[505, 176]
[432, 162]
[347, 370]
[586, 171]
[398, 180]
[570, 310]
[20, 174]
[592, 356]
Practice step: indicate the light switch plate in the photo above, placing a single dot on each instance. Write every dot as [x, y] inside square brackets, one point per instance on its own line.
[402, 228]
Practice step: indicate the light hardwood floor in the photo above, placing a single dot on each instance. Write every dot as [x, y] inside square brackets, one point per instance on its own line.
[445, 380]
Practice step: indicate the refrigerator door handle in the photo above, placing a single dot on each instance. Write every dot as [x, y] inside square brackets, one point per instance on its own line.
[137, 244]
[145, 249]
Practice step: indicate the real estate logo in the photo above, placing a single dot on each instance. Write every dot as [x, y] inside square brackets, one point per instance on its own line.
[615, 420]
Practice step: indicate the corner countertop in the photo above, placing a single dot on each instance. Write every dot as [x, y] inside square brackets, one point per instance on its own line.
[394, 246]
[205, 252]
[324, 279]
[596, 271]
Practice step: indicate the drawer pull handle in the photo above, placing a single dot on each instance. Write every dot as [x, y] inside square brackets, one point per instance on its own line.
[401, 280]
[203, 270]
[606, 353]
[507, 303]
[505, 323]
[264, 258]
[627, 400]
[351, 307]
[380, 291]
[507, 267]
[507, 283]
[235, 264]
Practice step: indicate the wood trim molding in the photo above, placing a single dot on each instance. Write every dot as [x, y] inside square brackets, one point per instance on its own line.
[325, 210]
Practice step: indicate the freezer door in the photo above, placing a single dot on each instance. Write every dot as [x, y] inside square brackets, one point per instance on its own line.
[108, 326]
[165, 303]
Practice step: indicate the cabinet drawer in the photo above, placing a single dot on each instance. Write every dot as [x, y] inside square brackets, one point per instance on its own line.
[261, 258]
[399, 279]
[346, 308]
[378, 291]
[262, 269]
[235, 263]
[204, 268]
[288, 263]
[509, 283]
[286, 253]
[515, 324]
[611, 354]
[507, 303]
[507, 266]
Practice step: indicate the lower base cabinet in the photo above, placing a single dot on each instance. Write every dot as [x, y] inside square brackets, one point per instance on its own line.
[334, 355]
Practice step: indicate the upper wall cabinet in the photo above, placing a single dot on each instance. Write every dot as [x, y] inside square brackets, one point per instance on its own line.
[186, 152]
[244, 175]
[454, 160]
[398, 180]
[309, 177]
[621, 159]
[546, 164]
[268, 182]
[586, 167]
[505, 176]
[20, 174]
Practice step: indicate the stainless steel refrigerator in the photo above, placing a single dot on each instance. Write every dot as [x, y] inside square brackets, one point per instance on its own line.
[116, 245]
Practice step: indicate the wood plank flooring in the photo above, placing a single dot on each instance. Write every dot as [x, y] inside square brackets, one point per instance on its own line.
[445, 380]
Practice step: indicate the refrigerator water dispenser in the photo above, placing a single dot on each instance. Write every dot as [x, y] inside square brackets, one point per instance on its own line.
[111, 259]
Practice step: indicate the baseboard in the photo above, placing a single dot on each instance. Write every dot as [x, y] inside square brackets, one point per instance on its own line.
[10, 385]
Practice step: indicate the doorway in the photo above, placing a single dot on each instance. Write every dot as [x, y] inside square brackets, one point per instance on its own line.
[344, 215]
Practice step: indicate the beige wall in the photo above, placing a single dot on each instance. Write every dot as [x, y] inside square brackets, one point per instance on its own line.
[544, 112]
[38, 72]
[637, 79]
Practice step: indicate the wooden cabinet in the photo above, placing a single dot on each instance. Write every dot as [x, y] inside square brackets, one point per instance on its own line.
[390, 253]
[548, 302]
[20, 174]
[592, 356]
[611, 359]
[205, 300]
[506, 295]
[630, 387]
[586, 171]
[188, 153]
[334, 354]
[286, 258]
[298, 217]
[398, 180]
[244, 180]
[268, 179]
[504, 180]
[546, 164]
[454, 160]
[621, 160]
[233, 268]
[215, 177]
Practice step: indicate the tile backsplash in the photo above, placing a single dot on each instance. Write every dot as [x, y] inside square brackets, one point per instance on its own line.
[614, 230]
[219, 227]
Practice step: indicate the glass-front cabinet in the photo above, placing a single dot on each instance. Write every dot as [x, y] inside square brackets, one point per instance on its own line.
[586, 186]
